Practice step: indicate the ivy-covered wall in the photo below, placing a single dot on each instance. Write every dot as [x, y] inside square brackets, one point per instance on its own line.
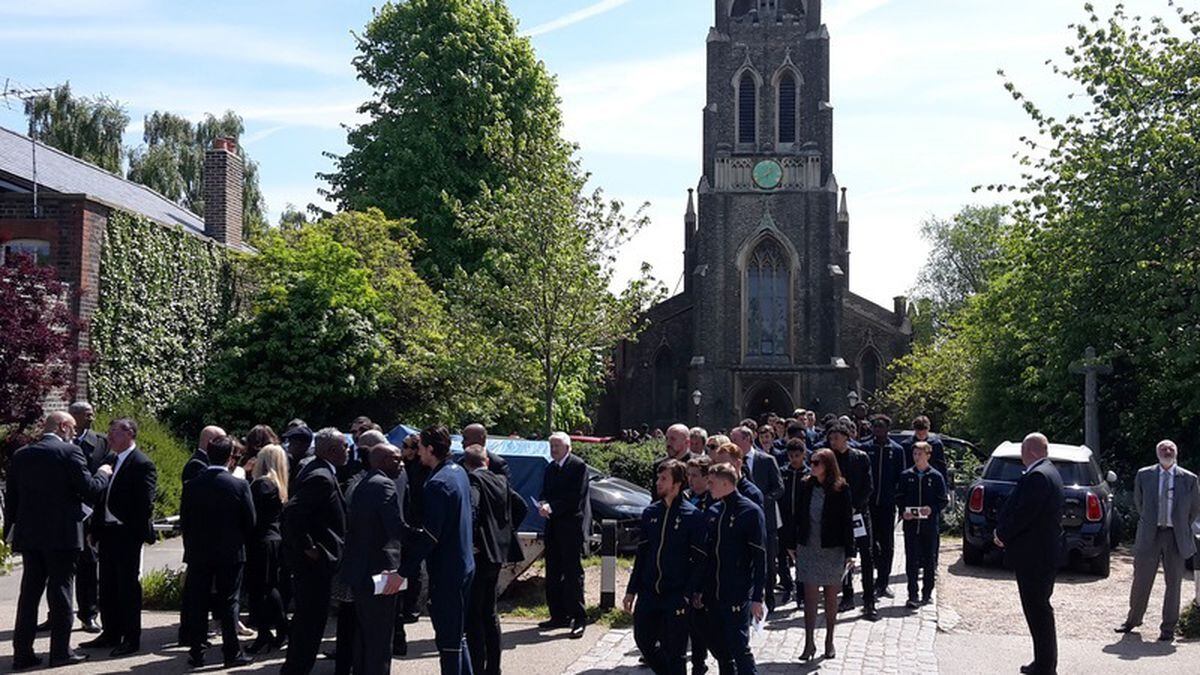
[163, 295]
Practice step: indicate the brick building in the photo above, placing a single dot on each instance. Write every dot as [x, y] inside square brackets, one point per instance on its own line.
[766, 321]
[73, 203]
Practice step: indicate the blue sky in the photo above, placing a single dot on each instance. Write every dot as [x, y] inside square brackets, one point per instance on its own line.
[920, 115]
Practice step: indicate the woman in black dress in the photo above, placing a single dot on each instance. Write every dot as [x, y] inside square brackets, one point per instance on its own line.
[263, 553]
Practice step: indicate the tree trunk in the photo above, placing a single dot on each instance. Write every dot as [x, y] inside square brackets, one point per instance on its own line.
[548, 371]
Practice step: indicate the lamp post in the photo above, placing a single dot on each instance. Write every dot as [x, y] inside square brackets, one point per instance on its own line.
[696, 396]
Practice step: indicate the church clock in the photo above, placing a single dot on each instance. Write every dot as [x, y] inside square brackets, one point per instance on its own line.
[768, 174]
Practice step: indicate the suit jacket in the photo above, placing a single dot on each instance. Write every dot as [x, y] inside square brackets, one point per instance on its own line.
[216, 514]
[94, 447]
[1184, 511]
[444, 542]
[195, 465]
[130, 494]
[48, 483]
[315, 517]
[374, 527]
[566, 490]
[491, 513]
[496, 463]
[1031, 522]
[764, 473]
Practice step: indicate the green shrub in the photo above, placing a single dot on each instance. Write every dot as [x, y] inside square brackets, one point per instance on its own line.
[168, 452]
[1189, 622]
[162, 589]
[6, 557]
[633, 462]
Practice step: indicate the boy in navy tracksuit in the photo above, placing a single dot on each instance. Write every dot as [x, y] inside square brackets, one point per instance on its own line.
[921, 496]
[736, 570]
[667, 572]
[697, 495]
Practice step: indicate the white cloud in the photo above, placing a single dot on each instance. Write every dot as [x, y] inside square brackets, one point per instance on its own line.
[235, 43]
[313, 108]
[575, 17]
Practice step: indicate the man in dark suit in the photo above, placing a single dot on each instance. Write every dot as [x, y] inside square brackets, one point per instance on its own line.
[124, 520]
[444, 543]
[48, 485]
[476, 434]
[416, 474]
[216, 514]
[374, 527]
[564, 505]
[493, 534]
[314, 527]
[198, 462]
[1030, 532]
[855, 466]
[887, 463]
[95, 452]
[763, 471]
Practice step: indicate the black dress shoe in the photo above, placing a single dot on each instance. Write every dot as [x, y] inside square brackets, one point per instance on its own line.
[125, 650]
[1166, 637]
[1027, 669]
[552, 624]
[886, 592]
[69, 660]
[846, 605]
[26, 663]
[90, 626]
[1124, 628]
[577, 629]
[196, 659]
[238, 661]
[43, 626]
[100, 642]
[870, 614]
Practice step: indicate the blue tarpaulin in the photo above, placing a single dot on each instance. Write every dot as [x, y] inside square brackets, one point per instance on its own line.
[527, 462]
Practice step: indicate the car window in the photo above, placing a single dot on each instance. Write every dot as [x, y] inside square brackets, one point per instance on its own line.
[1078, 473]
[1004, 468]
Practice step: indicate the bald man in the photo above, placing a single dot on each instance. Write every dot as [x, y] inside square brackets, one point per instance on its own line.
[1030, 532]
[679, 448]
[476, 434]
[198, 462]
[48, 486]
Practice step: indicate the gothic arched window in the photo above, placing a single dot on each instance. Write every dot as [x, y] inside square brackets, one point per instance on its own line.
[786, 95]
[868, 372]
[768, 281]
[747, 108]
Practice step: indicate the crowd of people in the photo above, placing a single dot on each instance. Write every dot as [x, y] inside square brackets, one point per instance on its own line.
[297, 524]
[775, 509]
[743, 522]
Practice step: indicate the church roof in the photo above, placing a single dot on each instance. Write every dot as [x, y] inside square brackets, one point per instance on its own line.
[59, 172]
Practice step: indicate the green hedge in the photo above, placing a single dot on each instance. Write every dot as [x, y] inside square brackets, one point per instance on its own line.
[164, 293]
[162, 589]
[168, 452]
[633, 462]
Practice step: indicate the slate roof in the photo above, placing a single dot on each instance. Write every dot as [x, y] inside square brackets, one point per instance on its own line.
[60, 172]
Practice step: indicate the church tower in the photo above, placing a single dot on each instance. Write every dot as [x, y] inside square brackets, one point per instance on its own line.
[770, 254]
[766, 321]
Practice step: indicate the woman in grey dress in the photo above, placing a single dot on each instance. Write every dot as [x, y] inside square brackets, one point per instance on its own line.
[825, 545]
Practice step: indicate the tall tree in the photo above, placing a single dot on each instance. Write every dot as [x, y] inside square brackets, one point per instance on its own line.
[172, 162]
[962, 256]
[87, 128]
[546, 283]
[461, 106]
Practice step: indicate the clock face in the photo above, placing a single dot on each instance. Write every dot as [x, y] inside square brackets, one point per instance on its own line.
[768, 174]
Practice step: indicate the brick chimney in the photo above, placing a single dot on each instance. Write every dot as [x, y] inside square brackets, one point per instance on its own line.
[223, 171]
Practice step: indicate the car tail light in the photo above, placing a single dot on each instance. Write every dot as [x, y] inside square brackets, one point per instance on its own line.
[976, 503]
[1094, 512]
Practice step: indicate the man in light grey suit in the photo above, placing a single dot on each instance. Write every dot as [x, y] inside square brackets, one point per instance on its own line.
[1167, 499]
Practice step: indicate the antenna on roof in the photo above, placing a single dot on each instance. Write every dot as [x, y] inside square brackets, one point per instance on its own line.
[25, 95]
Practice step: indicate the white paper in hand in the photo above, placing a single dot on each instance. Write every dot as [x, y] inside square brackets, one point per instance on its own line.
[380, 581]
[860, 527]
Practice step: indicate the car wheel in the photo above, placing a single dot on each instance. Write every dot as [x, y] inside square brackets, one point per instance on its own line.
[1101, 564]
[972, 555]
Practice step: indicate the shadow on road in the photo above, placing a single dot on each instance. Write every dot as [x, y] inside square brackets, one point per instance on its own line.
[1131, 647]
[1066, 575]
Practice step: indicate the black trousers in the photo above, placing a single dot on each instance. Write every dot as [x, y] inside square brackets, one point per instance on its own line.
[373, 633]
[50, 572]
[729, 638]
[1035, 588]
[883, 533]
[87, 574]
[483, 623]
[564, 570]
[310, 593]
[263, 577]
[227, 580]
[866, 558]
[120, 554]
[448, 600]
[411, 599]
[661, 634]
[772, 554]
[783, 567]
[921, 553]
[345, 638]
[698, 633]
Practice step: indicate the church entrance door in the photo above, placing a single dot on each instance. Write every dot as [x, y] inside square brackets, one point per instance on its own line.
[767, 397]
